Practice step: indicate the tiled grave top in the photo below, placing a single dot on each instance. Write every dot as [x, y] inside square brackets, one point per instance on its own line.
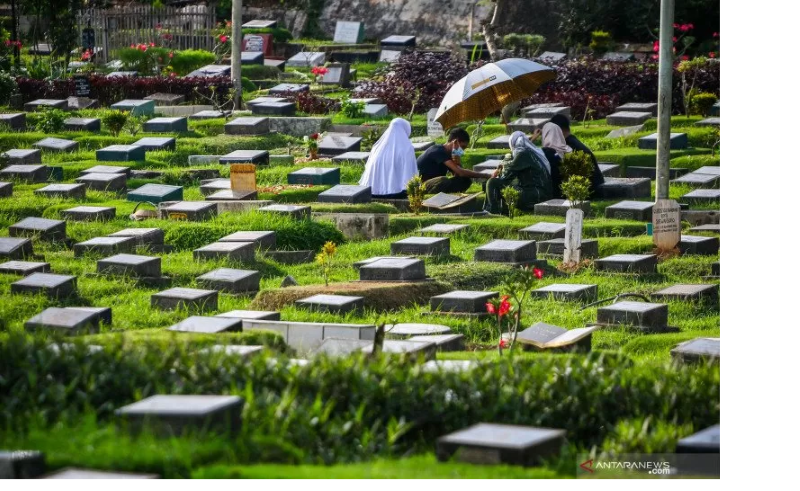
[47, 280]
[416, 329]
[443, 228]
[107, 169]
[189, 293]
[510, 245]
[191, 206]
[545, 227]
[465, 294]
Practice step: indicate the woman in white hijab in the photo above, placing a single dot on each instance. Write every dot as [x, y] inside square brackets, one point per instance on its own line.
[391, 163]
[554, 146]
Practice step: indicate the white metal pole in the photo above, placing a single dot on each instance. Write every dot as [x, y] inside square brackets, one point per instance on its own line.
[665, 59]
[236, 53]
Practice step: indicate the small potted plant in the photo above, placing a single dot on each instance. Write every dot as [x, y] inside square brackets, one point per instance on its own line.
[312, 144]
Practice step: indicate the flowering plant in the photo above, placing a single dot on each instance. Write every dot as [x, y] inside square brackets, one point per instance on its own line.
[319, 71]
[222, 35]
[683, 39]
[311, 142]
[325, 258]
[519, 284]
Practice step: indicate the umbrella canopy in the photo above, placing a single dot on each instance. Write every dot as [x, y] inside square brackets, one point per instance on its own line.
[487, 89]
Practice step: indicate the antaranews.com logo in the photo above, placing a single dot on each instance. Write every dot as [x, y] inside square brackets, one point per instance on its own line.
[639, 466]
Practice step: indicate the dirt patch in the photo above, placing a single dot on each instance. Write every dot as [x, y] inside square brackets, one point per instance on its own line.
[377, 295]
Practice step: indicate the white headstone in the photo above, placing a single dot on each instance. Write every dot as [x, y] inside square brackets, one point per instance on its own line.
[435, 128]
[348, 32]
[572, 240]
[666, 224]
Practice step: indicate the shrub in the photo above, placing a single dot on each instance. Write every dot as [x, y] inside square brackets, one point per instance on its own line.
[701, 103]
[189, 60]
[432, 73]
[115, 121]
[577, 164]
[511, 199]
[144, 59]
[260, 72]
[51, 120]
[601, 42]
[8, 87]
[576, 189]
[310, 103]
[353, 109]
[415, 189]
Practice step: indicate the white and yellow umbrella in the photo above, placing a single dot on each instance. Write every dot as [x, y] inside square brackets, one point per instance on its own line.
[487, 89]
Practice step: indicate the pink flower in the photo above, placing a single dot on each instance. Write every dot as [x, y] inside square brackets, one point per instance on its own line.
[674, 39]
[223, 38]
[712, 55]
[538, 273]
[716, 35]
[133, 45]
[158, 26]
[503, 344]
[684, 58]
[170, 54]
[152, 44]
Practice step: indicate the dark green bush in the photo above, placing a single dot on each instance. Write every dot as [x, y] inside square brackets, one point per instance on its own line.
[8, 86]
[51, 120]
[260, 72]
[601, 42]
[701, 103]
[115, 121]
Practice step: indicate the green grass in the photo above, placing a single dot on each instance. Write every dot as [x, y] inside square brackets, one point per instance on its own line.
[419, 467]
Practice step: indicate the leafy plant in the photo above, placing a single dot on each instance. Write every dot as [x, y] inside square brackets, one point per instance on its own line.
[353, 109]
[518, 285]
[701, 103]
[51, 120]
[189, 60]
[602, 42]
[312, 104]
[576, 164]
[576, 189]
[527, 45]
[511, 198]
[8, 86]
[690, 72]
[415, 189]
[325, 259]
[370, 136]
[145, 58]
[115, 121]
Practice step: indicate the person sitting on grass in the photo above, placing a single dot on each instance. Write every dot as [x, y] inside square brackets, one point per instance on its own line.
[597, 175]
[526, 171]
[554, 148]
[438, 160]
[391, 163]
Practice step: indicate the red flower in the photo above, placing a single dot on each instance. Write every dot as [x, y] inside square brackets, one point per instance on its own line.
[173, 74]
[133, 45]
[674, 39]
[152, 44]
[656, 46]
[315, 136]
[490, 308]
[505, 306]
[712, 55]
[538, 273]
[170, 54]
[223, 38]
[503, 344]
[684, 58]
[675, 26]
[691, 26]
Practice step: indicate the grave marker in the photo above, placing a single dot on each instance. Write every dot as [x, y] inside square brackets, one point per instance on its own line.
[333, 145]
[547, 112]
[54, 286]
[156, 193]
[67, 321]
[306, 59]
[274, 108]
[556, 247]
[462, 301]
[23, 268]
[193, 211]
[345, 193]
[572, 236]
[543, 336]
[641, 315]
[628, 263]
[359, 157]
[337, 74]
[25, 156]
[130, 264]
[185, 298]
[425, 246]
[207, 325]
[257, 315]
[39, 227]
[515, 252]
[348, 32]
[543, 231]
[68, 191]
[21, 464]
[677, 141]
[337, 304]
[164, 99]
[567, 292]
[393, 269]
[631, 210]
[137, 107]
[70, 473]
[247, 126]
[120, 153]
[173, 415]
[15, 248]
[28, 173]
[487, 443]
[234, 251]
[666, 216]
[82, 124]
[695, 244]
[166, 125]
[143, 236]
[231, 280]
[628, 119]
[297, 212]
[262, 240]
[106, 246]
[6, 189]
[243, 178]
[697, 350]
[90, 213]
[435, 129]
[444, 342]
[444, 229]
[687, 293]
[104, 182]
[317, 176]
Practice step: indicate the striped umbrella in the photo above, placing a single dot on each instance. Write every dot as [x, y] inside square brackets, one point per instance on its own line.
[487, 89]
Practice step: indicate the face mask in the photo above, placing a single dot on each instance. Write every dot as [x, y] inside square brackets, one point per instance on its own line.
[458, 152]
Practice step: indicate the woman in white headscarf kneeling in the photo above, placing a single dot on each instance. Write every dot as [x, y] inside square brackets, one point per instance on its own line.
[528, 171]
[555, 147]
[391, 163]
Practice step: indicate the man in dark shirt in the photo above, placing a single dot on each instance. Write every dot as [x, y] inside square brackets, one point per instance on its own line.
[434, 164]
[563, 122]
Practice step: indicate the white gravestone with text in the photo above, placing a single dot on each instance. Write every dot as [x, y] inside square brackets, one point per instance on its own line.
[348, 32]
[435, 128]
[666, 224]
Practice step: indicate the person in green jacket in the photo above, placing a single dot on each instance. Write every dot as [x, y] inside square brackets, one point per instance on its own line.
[528, 171]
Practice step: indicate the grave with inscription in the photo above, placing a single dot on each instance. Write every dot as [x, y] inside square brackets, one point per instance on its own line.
[332, 145]
[555, 247]
[515, 252]
[261, 239]
[120, 153]
[66, 321]
[231, 280]
[22, 268]
[631, 210]
[547, 112]
[185, 299]
[137, 107]
[317, 176]
[143, 236]
[462, 301]
[174, 415]
[489, 443]
[207, 325]
[193, 211]
[393, 269]
[15, 247]
[90, 213]
[257, 157]
[337, 304]
[378, 111]
[43, 228]
[104, 246]
[104, 182]
[628, 263]
[358, 157]
[687, 293]
[641, 315]
[25, 156]
[27, 173]
[628, 118]
[45, 104]
[444, 342]
[283, 108]
[444, 229]
[698, 179]
[233, 251]
[702, 196]
[697, 244]
[543, 231]
[156, 193]
[567, 292]
[697, 350]
[82, 124]
[306, 59]
[247, 126]
[130, 265]
[166, 125]
[67, 191]
[55, 286]
[337, 74]
[294, 88]
[677, 141]
[542, 336]
[348, 32]
[425, 246]
[297, 212]
[346, 193]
